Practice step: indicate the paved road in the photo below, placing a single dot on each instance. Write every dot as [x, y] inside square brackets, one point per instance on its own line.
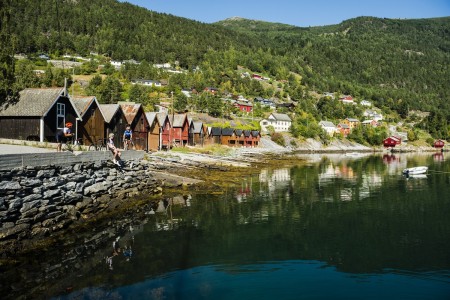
[18, 149]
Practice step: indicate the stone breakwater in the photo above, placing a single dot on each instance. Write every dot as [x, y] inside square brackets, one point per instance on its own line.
[37, 201]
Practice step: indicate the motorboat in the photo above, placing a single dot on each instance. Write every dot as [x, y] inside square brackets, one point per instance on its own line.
[415, 170]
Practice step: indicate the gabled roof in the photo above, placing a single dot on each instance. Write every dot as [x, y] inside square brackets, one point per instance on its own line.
[238, 132]
[33, 103]
[130, 111]
[227, 131]
[352, 120]
[198, 127]
[161, 117]
[151, 117]
[82, 104]
[255, 133]
[108, 111]
[216, 131]
[177, 120]
[327, 124]
[281, 117]
[343, 126]
[247, 133]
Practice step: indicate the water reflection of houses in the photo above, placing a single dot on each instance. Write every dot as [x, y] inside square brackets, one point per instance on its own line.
[275, 179]
[394, 163]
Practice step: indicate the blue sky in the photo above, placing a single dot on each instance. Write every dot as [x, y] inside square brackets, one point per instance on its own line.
[301, 13]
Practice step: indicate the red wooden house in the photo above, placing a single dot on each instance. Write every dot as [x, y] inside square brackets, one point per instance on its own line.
[164, 124]
[135, 115]
[256, 135]
[180, 129]
[248, 138]
[240, 138]
[392, 141]
[244, 106]
[91, 127]
[439, 144]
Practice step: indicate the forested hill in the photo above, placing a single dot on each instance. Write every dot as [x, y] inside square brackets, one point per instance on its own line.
[399, 64]
[408, 58]
[119, 30]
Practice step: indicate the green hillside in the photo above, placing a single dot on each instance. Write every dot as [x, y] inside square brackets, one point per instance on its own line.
[399, 65]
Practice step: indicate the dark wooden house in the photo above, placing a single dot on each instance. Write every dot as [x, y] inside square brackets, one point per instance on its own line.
[115, 122]
[154, 132]
[135, 115]
[37, 115]
[198, 133]
[180, 129]
[215, 135]
[91, 127]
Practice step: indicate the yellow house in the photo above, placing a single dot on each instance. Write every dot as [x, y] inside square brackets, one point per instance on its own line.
[352, 123]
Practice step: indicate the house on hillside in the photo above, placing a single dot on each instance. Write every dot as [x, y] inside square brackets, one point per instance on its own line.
[115, 122]
[343, 129]
[371, 123]
[256, 138]
[391, 142]
[240, 138]
[279, 122]
[328, 127]
[347, 100]
[146, 82]
[351, 122]
[366, 103]
[91, 127]
[215, 135]
[135, 115]
[37, 115]
[244, 106]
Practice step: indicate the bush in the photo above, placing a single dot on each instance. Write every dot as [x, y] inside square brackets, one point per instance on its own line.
[430, 141]
[278, 138]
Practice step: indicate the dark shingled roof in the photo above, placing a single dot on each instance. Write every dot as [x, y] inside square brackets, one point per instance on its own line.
[238, 132]
[227, 131]
[216, 131]
[82, 104]
[255, 133]
[247, 133]
[32, 103]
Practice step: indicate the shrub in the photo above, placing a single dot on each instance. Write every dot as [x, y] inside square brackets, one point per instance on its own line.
[278, 138]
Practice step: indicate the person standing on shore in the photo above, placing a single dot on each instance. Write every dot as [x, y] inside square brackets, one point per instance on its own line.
[62, 135]
[127, 137]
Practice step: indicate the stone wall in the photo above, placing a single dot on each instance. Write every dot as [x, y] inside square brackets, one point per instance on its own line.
[38, 200]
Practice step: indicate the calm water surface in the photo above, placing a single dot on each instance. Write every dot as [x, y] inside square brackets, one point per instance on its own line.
[330, 226]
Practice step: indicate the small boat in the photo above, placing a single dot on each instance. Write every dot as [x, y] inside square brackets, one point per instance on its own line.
[415, 170]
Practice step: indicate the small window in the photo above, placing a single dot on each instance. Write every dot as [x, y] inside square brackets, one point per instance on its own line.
[60, 115]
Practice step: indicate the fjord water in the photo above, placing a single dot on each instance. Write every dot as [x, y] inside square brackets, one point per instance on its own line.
[329, 226]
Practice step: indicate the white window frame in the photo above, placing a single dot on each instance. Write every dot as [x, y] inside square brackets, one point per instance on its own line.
[60, 113]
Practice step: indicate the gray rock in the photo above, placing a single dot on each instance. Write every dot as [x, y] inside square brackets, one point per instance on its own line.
[71, 197]
[77, 167]
[29, 205]
[38, 190]
[79, 187]
[70, 186]
[15, 204]
[96, 188]
[66, 170]
[46, 173]
[7, 225]
[9, 186]
[31, 182]
[30, 213]
[51, 194]
[78, 178]
[8, 232]
[32, 197]
[88, 183]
